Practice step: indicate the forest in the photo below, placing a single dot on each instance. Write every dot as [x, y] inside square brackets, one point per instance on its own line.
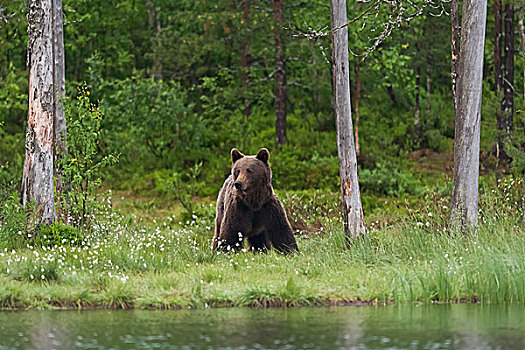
[154, 94]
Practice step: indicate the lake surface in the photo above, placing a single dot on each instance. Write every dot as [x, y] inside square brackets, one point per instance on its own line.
[367, 327]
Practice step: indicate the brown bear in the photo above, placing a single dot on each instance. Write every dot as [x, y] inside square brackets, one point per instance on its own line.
[248, 208]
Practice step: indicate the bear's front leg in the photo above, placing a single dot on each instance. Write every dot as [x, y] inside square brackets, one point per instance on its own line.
[236, 224]
[279, 231]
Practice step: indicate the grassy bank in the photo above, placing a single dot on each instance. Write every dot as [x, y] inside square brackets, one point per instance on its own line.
[166, 264]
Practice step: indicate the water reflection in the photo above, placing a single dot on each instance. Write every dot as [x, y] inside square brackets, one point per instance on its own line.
[393, 327]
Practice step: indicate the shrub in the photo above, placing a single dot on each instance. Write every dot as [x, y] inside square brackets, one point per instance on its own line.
[82, 163]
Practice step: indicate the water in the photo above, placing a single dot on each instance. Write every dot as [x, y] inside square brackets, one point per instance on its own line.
[392, 327]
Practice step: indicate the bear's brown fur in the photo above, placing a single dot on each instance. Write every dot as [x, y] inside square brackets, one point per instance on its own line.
[248, 208]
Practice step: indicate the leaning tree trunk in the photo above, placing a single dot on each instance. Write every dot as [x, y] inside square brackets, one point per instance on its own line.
[61, 183]
[37, 181]
[280, 73]
[354, 222]
[454, 18]
[464, 204]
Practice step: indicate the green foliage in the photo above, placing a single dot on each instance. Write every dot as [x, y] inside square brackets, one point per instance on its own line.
[13, 98]
[82, 164]
[11, 161]
[150, 124]
[12, 223]
[385, 179]
[58, 234]
[184, 188]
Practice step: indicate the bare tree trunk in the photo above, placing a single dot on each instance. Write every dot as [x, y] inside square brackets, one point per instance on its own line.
[429, 90]
[280, 74]
[522, 43]
[157, 63]
[522, 49]
[454, 18]
[508, 82]
[316, 95]
[498, 76]
[37, 179]
[155, 26]
[245, 56]
[391, 94]
[498, 81]
[464, 204]
[354, 222]
[418, 109]
[357, 95]
[61, 183]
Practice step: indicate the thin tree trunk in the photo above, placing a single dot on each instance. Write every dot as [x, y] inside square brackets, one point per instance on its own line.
[418, 109]
[316, 95]
[523, 200]
[155, 27]
[37, 180]
[357, 96]
[522, 43]
[245, 56]
[508, 83]
[157, 63]
[61, 183]
[464, 204]
[280, 75]
[454, 18]
[498, 81]
[354, 222]
[498, 76]
[429, 91]
[391, 94]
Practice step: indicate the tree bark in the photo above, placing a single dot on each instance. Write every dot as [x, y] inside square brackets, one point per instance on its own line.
[37, 180]
[454, 18]
[429, 91]
[280, 74]
[508, 82]
[357, 95]
[354, 222]
[498, 76]
[245, 56]
[155, 27]
[498, 81]
[522, 42]
[418, 108]
[61, 183]
[464, 204]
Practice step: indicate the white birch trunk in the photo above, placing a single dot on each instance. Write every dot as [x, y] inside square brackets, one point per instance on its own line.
[37, 180]
[464, 205]
[352, 209]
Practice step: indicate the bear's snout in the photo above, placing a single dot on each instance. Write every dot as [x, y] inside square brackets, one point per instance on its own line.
[238, 185]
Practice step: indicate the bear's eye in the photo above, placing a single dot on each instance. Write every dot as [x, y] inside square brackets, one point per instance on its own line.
[236, 172]
[249, 171]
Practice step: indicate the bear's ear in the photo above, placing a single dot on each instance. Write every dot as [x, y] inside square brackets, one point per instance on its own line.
[236, 155]
[263, 155]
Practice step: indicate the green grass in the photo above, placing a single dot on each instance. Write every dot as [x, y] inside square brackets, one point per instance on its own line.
[121, 264]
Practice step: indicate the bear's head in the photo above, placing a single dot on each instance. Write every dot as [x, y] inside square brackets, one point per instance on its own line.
[252, 177]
